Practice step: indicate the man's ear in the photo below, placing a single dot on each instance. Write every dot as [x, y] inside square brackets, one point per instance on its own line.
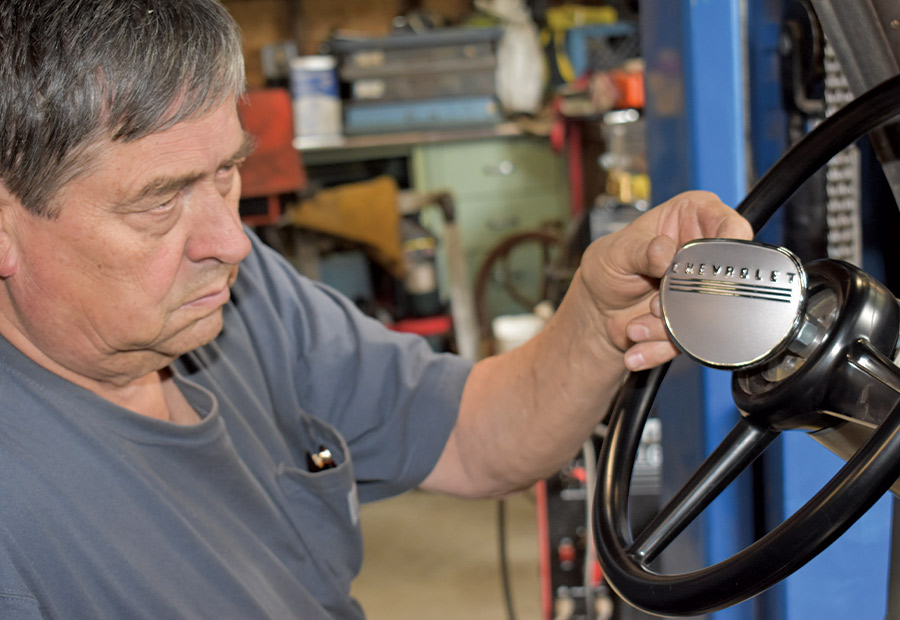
[10, 208]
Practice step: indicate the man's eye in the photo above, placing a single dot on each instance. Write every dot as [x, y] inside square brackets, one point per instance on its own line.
[231, 167]
[165, 206]
[225, 177]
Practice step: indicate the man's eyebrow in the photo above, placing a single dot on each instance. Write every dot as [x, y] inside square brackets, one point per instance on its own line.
[162, 186]
[248, 145]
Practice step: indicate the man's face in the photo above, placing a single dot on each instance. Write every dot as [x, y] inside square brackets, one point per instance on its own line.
[136, 268]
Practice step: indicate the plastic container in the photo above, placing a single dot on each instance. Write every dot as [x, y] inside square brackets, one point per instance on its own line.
[512, 330]
[316, 101]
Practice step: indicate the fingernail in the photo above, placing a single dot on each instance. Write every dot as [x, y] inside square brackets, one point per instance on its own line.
[634, 361]
[638, 333]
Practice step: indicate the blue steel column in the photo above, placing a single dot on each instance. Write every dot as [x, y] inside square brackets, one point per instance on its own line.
[696, 140]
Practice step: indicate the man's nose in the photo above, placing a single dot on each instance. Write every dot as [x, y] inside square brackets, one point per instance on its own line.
[217, 232]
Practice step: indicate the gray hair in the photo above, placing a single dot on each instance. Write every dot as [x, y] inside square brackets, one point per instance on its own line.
[76, 73]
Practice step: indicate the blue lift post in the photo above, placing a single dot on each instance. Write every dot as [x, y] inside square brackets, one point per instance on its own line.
[715, 122]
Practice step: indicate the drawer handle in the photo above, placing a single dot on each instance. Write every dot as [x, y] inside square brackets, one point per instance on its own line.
[501, 169]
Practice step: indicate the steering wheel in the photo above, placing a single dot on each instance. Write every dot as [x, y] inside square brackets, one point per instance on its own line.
[542, 252]
[825, 357]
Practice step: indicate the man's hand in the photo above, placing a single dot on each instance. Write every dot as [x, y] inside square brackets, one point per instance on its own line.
[621, 271]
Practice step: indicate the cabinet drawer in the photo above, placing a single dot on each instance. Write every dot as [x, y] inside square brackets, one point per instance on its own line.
[482, 222]
[508, 166]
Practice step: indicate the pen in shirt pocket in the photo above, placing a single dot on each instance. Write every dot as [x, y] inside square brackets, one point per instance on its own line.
[321, 460]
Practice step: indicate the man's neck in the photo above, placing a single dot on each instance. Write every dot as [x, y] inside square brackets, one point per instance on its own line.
[155, 395]
[140, 381]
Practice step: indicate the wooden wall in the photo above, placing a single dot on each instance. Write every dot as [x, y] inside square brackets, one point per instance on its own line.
[309, 22]
[262, 22]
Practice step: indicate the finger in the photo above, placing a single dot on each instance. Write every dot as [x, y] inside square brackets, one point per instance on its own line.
[656, 307]
[646, 328]
[732, 226]
[700, 214]
[644, 355]
[660, 252]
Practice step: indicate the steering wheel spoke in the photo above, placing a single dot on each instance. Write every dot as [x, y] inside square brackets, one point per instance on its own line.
[868, 385]
[737, 451]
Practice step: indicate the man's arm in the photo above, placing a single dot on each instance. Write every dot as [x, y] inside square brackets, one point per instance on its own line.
[525, 413]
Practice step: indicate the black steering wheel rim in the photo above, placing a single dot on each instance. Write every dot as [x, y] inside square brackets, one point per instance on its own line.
[852, 491]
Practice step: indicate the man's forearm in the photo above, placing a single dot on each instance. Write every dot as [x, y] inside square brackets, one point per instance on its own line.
[525, 413]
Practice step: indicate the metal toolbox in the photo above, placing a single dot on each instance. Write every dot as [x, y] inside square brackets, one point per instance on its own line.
[452, 62]
[424, 114]
[464, 82]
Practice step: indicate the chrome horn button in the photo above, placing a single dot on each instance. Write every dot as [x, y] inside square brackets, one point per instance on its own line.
[732, 304]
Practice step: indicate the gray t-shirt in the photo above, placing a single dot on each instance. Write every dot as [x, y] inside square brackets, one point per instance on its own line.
[108, 514]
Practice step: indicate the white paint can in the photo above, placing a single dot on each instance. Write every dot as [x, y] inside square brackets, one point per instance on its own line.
[316, 101]
[513, 330]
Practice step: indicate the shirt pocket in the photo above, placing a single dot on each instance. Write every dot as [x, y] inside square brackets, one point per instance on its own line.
[323, 506]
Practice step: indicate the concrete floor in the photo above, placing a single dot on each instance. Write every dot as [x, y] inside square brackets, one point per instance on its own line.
[430, 556]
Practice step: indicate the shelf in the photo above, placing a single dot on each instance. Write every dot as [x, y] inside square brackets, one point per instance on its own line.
[373, 146]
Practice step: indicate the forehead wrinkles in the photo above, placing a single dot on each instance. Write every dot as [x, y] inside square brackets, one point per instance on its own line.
[167, 161]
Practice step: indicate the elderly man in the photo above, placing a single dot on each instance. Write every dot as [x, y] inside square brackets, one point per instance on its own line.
[184, 438]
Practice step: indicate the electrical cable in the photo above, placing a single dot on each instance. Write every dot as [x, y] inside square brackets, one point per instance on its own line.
[590, 551]
[504, 564]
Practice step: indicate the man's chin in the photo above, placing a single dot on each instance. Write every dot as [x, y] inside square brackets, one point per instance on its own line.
[193, 336]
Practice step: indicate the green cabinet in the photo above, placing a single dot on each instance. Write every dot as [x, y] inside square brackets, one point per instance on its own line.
[501, 186]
